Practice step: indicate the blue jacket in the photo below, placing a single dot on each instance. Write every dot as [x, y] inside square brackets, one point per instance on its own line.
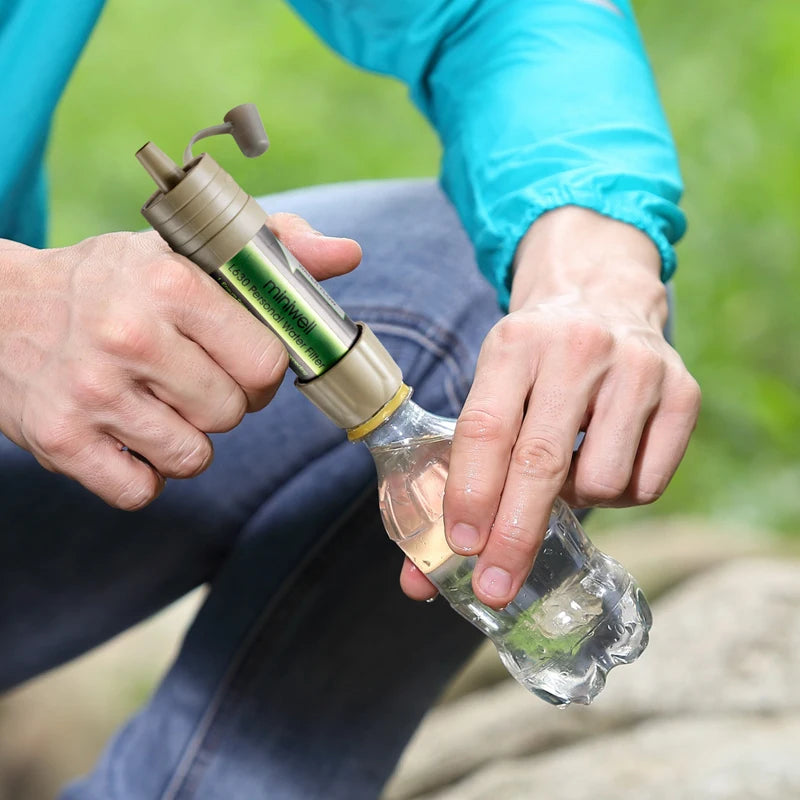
[538, 104]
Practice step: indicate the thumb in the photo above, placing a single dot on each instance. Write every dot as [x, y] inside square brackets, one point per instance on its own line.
[323, 256]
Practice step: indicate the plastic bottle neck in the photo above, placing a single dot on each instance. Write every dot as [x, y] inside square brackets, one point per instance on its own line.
[408, 423]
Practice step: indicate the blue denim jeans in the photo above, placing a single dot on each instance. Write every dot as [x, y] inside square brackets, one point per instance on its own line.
[306, 670]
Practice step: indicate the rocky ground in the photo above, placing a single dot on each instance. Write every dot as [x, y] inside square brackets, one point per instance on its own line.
[710, 712]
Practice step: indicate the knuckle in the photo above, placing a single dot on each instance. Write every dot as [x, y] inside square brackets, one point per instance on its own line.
[510, 333]
[541, 457]
[480, 425]
[689, 395]
[137, 493]
[268, 365]
[644, 374]
[192, 457]
[597, 490]
[649, 489]
[588, 339]
[54, 438]
[171, 279]
[127, 338]
[514, 540]
[460, 500]
[648, 364]
[91, 389]
[227, 414]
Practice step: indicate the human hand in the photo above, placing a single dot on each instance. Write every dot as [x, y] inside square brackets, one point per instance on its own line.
[118, 356]
[582, 349]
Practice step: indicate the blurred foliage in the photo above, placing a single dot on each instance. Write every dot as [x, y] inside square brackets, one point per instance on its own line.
[161, 71]
[729, 78]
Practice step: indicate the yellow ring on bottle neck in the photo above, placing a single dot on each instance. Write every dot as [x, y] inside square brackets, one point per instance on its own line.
[380, 416]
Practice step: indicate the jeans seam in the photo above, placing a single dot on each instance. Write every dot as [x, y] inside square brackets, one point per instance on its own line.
[194, 750]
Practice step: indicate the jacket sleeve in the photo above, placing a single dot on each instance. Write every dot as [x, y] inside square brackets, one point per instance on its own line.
[538, 104]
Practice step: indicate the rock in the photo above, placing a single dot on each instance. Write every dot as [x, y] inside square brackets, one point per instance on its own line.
[661, 553]
[481, 728]
[728, 757]
[728, 639]
[726, 642]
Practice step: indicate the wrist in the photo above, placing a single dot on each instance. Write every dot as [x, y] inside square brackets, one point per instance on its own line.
[575, 254]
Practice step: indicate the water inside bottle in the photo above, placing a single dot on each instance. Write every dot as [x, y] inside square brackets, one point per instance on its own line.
[558, 639]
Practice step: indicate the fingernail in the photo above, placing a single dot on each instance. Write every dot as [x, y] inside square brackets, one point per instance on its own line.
[495, 582]
[464, 536]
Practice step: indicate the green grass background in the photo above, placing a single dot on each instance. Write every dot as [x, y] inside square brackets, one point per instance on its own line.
[729, 75]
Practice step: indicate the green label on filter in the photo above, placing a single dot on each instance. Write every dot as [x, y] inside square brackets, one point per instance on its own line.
[256, 282]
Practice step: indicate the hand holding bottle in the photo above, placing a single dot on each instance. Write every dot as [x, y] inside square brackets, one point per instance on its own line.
[116, 346]
[582, 349]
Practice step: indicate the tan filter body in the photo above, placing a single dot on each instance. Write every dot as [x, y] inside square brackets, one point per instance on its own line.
[206, 216]
[357, 386]
[203, 214]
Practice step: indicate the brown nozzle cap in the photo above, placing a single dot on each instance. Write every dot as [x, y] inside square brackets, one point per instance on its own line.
[199, 210]
[247, 130]
[357, 386]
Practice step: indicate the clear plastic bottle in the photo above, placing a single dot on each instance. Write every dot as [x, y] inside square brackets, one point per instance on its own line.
[578, 614]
